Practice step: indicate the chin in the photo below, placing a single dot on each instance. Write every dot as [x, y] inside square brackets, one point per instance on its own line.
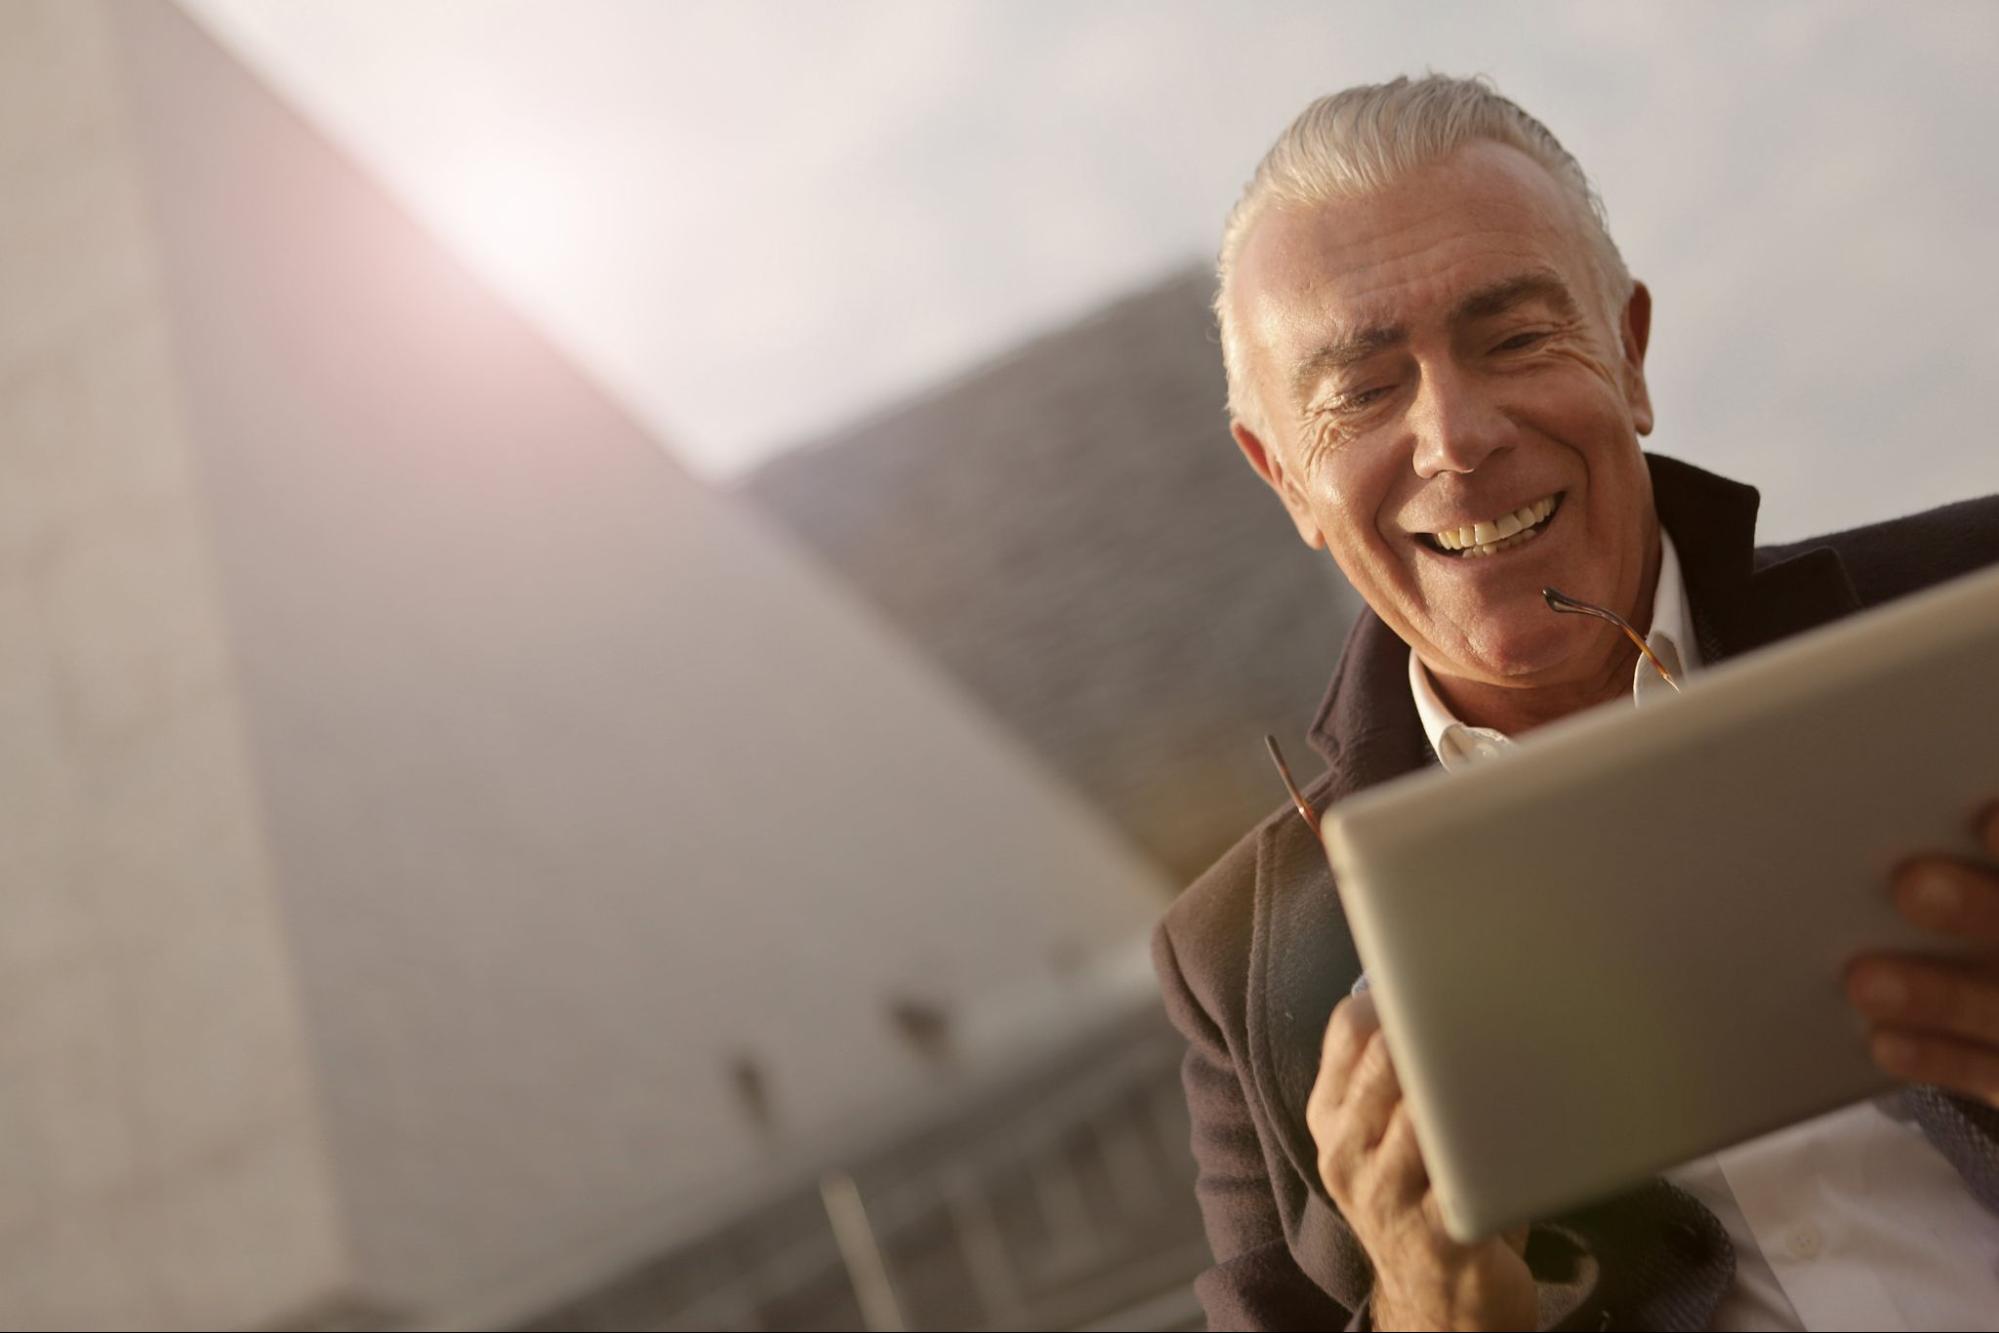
[1533, 648]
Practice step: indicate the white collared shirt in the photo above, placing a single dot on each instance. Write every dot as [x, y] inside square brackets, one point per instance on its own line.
[1852, 1220]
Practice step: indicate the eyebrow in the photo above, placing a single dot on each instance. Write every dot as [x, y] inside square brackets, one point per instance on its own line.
[1495, 298]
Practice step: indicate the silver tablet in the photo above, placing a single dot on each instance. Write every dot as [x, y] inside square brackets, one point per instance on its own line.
[1620, 945]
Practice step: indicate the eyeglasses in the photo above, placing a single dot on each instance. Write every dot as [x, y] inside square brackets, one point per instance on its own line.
[1558, 602]
[1563, 604]
[1305, 810]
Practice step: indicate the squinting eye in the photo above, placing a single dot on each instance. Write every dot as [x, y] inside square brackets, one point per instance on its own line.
[1520, 342]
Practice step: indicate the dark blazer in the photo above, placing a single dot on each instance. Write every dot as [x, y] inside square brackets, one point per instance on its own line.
[1253, 957]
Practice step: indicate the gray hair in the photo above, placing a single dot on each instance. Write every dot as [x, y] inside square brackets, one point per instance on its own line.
[1363, 139]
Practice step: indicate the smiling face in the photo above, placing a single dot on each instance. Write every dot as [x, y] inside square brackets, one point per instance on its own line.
[1451, 413]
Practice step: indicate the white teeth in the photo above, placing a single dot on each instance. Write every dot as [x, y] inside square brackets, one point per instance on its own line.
[1503, 544]
[1508, 530]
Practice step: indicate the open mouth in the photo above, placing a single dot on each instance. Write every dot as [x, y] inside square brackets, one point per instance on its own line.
[1493, 536]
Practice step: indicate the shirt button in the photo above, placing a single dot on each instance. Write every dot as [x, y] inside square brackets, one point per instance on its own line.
[1805, 1242]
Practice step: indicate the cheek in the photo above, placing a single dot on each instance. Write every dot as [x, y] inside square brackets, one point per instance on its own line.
[1356, 495]
[1354, 488]
[1578, 401]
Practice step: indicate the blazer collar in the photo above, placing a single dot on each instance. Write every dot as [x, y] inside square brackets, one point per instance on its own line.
[1302, 960]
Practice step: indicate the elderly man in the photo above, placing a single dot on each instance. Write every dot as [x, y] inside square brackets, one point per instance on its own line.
[1436, 360]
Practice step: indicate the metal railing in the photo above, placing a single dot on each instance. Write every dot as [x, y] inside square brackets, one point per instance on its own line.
[1062, 1200]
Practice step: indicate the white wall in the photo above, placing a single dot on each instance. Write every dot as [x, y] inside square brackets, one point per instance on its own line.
[160, 1164]
[577, 781]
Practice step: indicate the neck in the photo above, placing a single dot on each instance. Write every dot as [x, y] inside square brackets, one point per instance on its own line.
[1514, 710]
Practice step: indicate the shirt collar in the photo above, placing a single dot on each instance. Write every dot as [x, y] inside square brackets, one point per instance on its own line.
[1456, 743]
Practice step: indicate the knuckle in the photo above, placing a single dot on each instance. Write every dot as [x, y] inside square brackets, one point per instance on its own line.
[1326, 1122]
[1325, 1094]
[1401, 1135]
[1339, 1164]
[1399, 1151]
[1332, 1135]
[1375, 1065]
[1333, 1174]
[1393, 1164]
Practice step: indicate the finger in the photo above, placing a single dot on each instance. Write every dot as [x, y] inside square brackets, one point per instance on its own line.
[1341, 1141]
[1372, 1093]
[1394, 1175]
[1348, 1130]
[1951, 897]
[1960, 1066]
[1931, 995]
[1347, 1031]
[1346, 1135]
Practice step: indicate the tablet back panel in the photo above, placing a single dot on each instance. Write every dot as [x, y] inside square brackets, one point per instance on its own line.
[1620, 945]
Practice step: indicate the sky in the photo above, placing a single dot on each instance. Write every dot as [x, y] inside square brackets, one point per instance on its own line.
[756, 222]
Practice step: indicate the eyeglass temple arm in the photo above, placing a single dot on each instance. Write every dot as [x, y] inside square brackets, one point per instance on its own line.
[1305, 810]
[1561, 602]
[1557, 601]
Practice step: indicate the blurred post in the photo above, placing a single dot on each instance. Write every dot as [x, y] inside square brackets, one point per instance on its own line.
[859, 1250]
[984, 1248]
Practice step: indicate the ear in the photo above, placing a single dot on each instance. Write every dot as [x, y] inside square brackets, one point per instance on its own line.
[1635, 332]
[1268, 465]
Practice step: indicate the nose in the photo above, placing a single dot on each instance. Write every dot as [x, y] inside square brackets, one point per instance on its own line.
[1457, 421]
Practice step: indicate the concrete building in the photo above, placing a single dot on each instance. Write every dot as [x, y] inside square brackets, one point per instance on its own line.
[444, 851]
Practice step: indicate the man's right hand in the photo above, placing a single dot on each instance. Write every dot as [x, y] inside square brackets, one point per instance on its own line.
[1371, 1166]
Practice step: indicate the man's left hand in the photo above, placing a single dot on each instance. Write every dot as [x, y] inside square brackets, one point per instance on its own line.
[1936, 1020]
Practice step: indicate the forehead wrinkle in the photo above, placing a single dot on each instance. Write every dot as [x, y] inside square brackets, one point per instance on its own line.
[1270, 292]
[1501, 295]
[1492, 298]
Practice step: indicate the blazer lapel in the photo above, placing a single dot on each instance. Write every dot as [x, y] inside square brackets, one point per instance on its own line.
[1302, 959]
[1737, 605]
